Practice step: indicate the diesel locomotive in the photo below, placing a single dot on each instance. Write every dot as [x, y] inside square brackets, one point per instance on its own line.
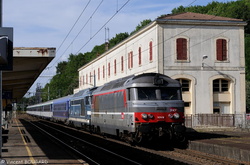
[134, 108]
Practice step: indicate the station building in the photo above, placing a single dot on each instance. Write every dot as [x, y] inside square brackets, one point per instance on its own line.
[204, 52]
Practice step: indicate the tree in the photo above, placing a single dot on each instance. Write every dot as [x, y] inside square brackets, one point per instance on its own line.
[141, 25]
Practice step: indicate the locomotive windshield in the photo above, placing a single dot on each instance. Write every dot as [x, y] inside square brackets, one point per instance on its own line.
[158, 93]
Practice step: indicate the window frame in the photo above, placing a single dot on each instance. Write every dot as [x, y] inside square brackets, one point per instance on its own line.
[221, 86]
[179, 48]
[221, 51]
[150, 51]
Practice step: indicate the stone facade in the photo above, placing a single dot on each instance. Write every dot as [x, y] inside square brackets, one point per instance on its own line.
[204, 52]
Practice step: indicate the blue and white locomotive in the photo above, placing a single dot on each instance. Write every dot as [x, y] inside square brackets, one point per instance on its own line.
[133, 108]
[80, 108]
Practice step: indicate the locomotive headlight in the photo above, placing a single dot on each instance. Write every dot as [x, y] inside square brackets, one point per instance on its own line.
[144, 116]
[170, 116]
[151, 116]
[176, 115]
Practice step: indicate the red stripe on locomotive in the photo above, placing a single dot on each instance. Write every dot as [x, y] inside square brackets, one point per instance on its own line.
[154, 117]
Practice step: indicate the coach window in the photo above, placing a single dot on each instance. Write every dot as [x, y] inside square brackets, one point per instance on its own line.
[88, 100]
[82, 107]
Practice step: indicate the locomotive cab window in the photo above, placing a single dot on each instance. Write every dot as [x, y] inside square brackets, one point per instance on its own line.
[158, 93]
[88, 100]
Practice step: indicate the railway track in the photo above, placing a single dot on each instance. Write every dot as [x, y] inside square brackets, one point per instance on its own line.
[98, 150]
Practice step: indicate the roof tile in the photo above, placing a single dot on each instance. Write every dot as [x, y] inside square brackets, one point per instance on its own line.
[197, 16]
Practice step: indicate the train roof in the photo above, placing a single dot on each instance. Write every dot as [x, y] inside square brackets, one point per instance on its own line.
[41, 104]
[62, 99]
[141, 80]
[83, 92]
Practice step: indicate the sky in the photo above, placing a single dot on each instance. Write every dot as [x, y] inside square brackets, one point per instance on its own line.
[76, 26]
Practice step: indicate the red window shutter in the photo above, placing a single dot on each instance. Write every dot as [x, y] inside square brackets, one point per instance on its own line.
[150, 51]
[131, 56]
[224, 50]
[181, 48]
[98, 73]
[103, 71]
[122, 64]
[128, 60]
[139, 55]
[114, 66]
[221, 50]
[90, 77]
[86, 78]
[108, 69]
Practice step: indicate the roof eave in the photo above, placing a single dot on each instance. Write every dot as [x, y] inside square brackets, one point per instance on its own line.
[201, 22]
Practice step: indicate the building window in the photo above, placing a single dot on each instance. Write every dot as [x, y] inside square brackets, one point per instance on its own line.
[114, 66]
[109, 69]
[181, 48]
[139, 56]
[220, 85]
[90, 77]
[98, 73]
[103, 71]
[122, 64]
[150, 51]
[130, 60]
[216, 110]
[82, 80]
[185, 84]
[221, 50]
[187, 104]
[87, 78]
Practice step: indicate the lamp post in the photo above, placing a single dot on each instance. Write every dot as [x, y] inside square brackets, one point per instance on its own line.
[203, 58]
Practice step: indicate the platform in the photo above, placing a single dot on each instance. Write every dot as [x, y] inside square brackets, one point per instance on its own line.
[231, 143]
[24, 145]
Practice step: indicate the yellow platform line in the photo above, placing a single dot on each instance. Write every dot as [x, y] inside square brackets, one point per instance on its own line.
[32, 160]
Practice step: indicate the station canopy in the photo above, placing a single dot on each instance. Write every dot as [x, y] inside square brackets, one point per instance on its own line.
[28, 64]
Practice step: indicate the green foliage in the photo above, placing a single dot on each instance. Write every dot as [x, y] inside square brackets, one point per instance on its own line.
[117, 39]
[248, 96]
[141, 25]
[66, 78]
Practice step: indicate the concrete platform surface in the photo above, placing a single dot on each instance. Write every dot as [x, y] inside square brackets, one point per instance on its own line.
[233, 144]
[22, 144]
